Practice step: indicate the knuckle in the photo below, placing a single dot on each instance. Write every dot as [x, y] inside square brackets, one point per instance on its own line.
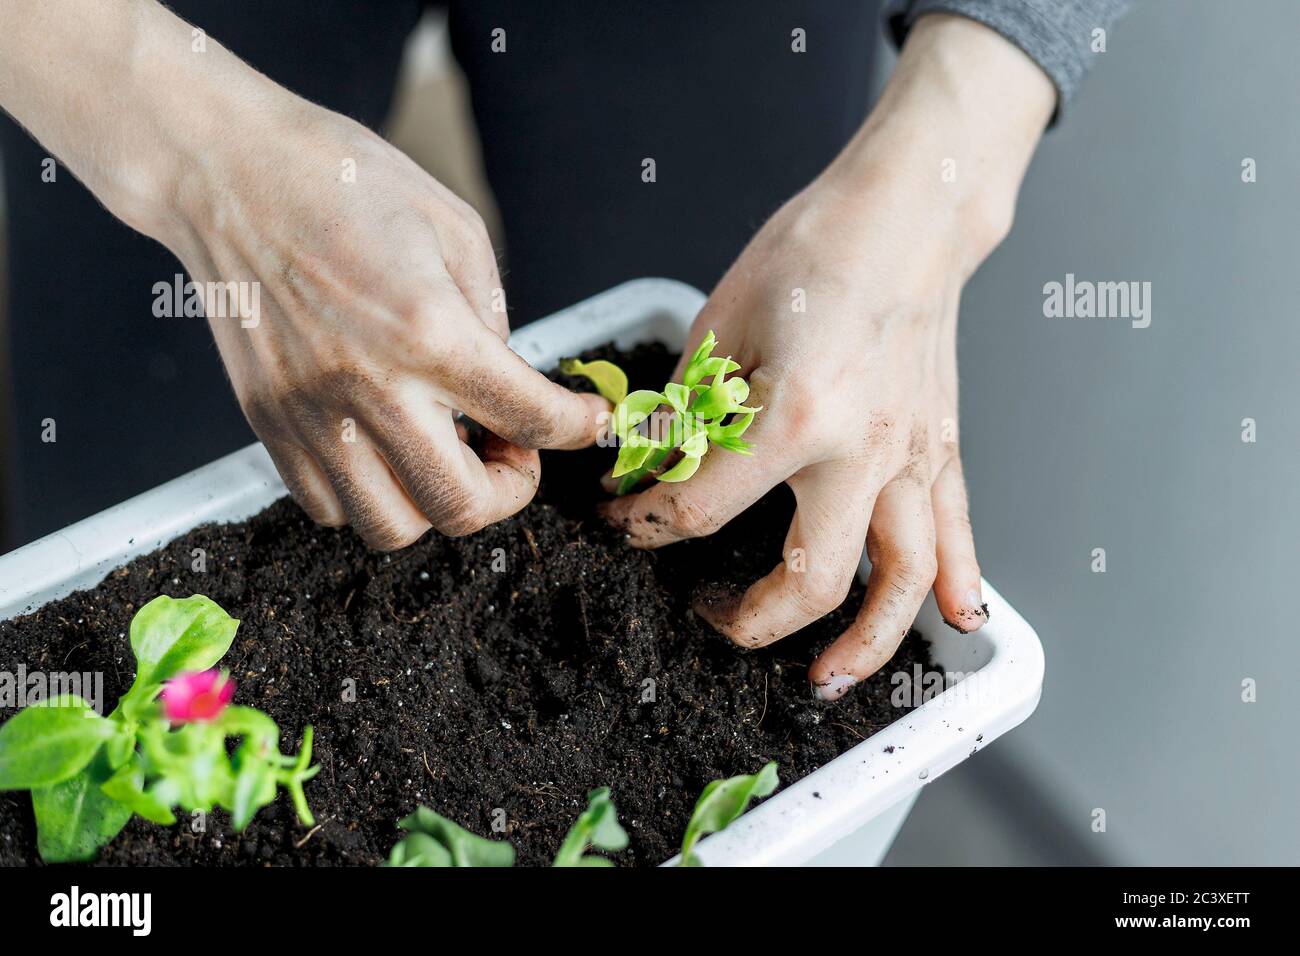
[342, 380]
[385, 535]
[820, 592]
[264, 413]
[537, 432]
[316, 508]
[467, 240]
[958, 520]
[463, 523]
[915, 570]
[687, 518]
[454, 511]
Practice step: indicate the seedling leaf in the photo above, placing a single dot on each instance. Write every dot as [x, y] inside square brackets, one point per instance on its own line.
[75, 818]
[50, 742]
[682, 470]
[597, 827]
[609, 379]
[170, 635]
[436, 841]
[721, 803]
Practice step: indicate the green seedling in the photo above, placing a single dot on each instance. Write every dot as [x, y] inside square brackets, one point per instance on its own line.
[436, 841]
[706, 409]
[598, 828]
[721, 803]
[609, 379]
[164, 746]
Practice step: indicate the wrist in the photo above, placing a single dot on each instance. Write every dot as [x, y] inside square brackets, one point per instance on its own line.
[951, 137]
[201, 108]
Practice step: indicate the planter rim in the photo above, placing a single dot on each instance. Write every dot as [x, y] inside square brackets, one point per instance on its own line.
[1001, 665]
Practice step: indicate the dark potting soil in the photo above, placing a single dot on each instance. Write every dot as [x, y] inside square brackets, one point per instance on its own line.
[499, 676]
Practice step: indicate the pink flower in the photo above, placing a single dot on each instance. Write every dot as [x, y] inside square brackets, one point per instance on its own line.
[196, 697]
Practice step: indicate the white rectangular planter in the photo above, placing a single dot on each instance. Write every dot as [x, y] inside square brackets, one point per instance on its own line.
[869, 788]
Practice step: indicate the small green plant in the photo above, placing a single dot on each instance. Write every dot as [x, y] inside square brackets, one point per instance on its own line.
[721, 802]
[597, 827]
[163, 746]
[609, 379]
[707, 409]
[434, 840]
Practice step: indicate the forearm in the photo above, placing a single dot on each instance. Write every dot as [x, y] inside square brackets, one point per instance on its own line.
[955, 129]
[117, 91]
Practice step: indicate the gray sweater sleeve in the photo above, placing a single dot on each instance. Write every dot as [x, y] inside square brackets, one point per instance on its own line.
[1057, 34]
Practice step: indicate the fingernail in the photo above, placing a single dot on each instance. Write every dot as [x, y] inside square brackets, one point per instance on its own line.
[834, 687]
[973, 615]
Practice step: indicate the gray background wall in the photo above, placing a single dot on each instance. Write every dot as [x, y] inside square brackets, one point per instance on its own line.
[1082, 434]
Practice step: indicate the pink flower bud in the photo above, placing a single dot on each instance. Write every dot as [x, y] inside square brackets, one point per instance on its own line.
[196, 697]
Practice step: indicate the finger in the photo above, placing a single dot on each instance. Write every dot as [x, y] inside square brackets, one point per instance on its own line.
[375, 503]
[900, 544]
[458, 492]
[514, 474]
[725, 485]
[306, 483]
[957, 588]
[820, 558]
[498, 389]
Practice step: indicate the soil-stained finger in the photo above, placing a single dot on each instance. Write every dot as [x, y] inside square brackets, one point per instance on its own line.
[822, 550]
[900, 544]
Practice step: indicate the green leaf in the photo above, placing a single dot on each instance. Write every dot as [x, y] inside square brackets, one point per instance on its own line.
[119, 747]
[711, 368]
[629, 482]
[630, 458]
[126, 786]
[75, 818]
[254, 789]
[459, 847]
[682, 470]
[50, 742]
[696, 445]
[252, 725]
[738, 445]
[695, 367]
[597, 827]
[735, 429]
[171, 635]
[721, 398]
[609, 379]
[419, 849]
[728, 436]
[632, 411]
[721, 803]
[678, 396]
